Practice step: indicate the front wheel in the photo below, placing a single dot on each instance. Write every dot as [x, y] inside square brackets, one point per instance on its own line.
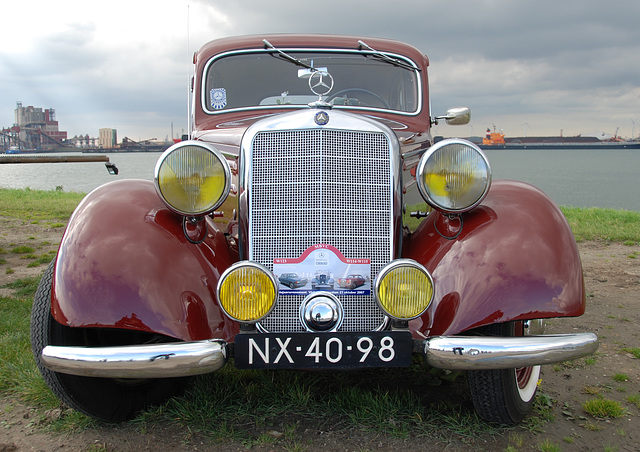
[503, 396]
[111, 400]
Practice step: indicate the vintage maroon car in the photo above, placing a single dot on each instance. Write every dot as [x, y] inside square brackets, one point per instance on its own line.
[304, 153]
[351, 281]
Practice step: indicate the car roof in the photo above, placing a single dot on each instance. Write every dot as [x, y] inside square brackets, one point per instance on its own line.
[310, 40]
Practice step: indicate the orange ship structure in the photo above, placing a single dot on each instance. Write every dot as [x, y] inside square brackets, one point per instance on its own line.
[492, 138]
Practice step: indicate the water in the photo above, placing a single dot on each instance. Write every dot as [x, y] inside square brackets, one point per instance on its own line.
[581, 178]
[78, 177]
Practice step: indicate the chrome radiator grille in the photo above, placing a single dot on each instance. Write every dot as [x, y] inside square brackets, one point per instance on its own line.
[321, 186]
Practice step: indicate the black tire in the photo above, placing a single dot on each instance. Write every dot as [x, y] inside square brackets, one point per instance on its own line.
[106, 399]
[503, 396]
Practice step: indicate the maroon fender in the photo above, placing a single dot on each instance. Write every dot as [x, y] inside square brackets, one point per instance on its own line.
[512, 258]
[124, 262]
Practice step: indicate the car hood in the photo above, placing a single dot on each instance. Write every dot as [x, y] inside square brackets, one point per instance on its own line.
[226, 134]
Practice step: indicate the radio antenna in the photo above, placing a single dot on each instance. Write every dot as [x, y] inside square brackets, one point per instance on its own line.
[188, 79]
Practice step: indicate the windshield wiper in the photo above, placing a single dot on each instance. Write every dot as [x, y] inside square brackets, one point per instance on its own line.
[387, 59]
[288, 57]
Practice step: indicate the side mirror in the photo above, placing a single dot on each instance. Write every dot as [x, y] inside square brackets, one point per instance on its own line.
[457, 116]
[112, 168]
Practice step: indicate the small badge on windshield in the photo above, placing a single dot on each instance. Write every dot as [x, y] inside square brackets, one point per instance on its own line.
[218, 98]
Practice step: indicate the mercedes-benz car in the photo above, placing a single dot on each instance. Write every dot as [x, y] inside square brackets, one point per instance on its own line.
[307, 153]
[351, 281]
[292, 280]
[322, 280]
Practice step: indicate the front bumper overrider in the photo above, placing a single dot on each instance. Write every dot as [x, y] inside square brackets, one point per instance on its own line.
[179, 359]
[493, 352]
[172, 359]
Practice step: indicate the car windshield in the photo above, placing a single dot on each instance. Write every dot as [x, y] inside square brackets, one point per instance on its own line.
[266, 80]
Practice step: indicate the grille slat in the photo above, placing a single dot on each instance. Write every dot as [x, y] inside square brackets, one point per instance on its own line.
[321, 186]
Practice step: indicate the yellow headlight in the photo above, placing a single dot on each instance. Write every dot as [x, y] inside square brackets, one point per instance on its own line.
[192, 178]
[454, 176]
[247, 292]
[404, 289]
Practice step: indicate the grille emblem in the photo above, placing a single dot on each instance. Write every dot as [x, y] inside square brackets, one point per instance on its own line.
[321, 118]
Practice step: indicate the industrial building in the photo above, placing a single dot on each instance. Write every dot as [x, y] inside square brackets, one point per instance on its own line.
[34, 129]
[108, 138]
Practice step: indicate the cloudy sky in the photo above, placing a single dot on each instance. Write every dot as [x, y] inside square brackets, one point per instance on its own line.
[534, 67]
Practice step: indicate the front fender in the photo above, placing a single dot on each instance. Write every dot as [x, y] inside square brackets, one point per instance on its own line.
[124, 262]
[514, 259]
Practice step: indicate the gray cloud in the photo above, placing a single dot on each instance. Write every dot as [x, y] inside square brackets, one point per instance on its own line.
[554, 65]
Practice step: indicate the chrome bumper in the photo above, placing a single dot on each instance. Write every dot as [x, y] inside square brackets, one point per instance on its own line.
[490, 352]
[180, 359]
[174, 359]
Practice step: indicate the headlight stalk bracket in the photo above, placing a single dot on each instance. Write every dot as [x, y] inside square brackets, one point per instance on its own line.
[449, 226]
[195, 229]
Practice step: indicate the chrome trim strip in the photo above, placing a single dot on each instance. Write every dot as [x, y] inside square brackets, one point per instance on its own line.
[205, 70]
[174, 359]
[491, 352]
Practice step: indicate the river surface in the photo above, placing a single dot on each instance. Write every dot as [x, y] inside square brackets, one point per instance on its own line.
[581, 178]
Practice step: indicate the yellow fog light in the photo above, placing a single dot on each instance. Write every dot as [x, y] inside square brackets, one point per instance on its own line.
[404, 289]
[454, 176]
[192, 177]
[247, 291]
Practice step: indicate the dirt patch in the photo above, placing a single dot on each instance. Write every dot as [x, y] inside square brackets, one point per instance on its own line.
[612, 276]
[24, 249]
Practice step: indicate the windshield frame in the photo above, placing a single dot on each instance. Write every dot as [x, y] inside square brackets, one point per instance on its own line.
[297, 50]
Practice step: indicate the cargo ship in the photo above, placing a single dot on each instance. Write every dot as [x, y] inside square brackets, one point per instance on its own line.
[497, 140]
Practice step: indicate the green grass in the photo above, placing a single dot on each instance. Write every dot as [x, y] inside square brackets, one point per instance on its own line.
[18, 374]
[634, 400]
[36, 205]
[17, 368]
[587, 224]
[22, 250]
[604, 224]
[43, 259]
[548, 446]
[635, 351]
[602, 408]
[276, 400]
[620, 377]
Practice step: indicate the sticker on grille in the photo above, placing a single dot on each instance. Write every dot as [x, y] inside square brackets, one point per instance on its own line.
[321, 186]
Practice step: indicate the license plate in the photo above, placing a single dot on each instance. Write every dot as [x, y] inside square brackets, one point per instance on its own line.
[323, 350]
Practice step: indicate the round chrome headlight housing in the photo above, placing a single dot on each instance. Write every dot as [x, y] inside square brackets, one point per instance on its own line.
[247, 291]
[192, 178]
[454, 176]
[404, 289]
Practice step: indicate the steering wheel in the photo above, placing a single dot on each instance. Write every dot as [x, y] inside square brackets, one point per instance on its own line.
[360, 90]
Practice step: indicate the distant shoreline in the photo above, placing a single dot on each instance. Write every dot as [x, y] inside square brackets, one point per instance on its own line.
[560, 146]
